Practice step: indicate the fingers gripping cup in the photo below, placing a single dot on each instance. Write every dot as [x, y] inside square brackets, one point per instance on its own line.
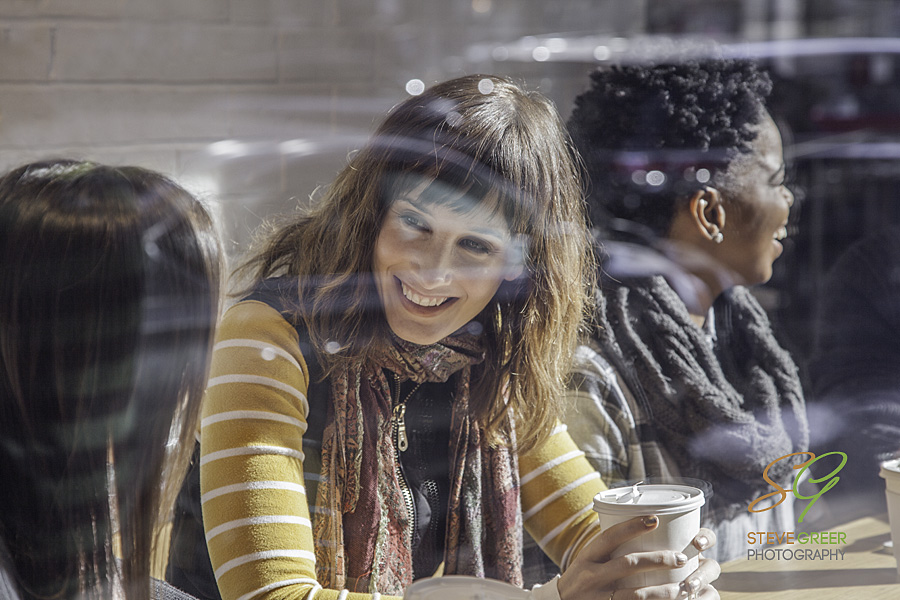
[890, 472]
[678, 509]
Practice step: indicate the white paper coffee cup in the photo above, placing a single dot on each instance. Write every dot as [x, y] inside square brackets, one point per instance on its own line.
[890, 472]
[461, 587]
[678, 509]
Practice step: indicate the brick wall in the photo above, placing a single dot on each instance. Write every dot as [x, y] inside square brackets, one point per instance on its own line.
[252, 103]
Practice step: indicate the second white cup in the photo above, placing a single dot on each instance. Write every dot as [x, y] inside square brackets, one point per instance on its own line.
[890, 472]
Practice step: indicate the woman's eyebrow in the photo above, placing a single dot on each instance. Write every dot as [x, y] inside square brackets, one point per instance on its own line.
[415, 203]
[423, 207]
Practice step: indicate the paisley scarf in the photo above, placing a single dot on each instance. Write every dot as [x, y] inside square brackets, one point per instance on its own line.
[361, 524]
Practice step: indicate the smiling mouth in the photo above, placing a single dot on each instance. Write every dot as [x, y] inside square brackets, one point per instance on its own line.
[781, 233]
[419, 300]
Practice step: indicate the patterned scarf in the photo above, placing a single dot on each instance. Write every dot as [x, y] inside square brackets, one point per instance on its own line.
[723, 413]
[361, 524]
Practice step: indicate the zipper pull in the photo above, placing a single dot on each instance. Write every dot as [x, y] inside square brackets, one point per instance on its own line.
[400, 420]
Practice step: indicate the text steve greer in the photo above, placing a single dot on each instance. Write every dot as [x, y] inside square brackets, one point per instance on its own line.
[771, 538]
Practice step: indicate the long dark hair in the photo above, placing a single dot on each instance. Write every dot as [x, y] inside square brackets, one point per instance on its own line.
[109, 292]
[487, 136]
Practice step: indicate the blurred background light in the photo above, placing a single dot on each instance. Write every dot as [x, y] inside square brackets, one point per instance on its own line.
[414, 87]
[541, 53]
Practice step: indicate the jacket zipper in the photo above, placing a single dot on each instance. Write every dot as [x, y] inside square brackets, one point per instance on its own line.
[401, 443]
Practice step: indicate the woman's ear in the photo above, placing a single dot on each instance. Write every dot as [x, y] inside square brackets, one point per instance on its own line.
[513, 272]
[707, 212]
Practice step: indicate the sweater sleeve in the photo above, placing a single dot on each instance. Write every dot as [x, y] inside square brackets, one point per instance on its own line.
[596, 419]
[606, 421]
[558, 489]
[254, 500]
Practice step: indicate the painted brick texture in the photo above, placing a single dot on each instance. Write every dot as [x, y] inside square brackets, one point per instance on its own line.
[291, 85]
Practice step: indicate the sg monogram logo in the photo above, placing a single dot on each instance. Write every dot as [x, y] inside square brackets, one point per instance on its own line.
[831, 477]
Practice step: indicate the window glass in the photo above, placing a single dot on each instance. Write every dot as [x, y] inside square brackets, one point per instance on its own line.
[255, 105]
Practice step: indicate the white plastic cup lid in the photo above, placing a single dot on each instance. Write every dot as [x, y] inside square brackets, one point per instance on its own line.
[650, 499]
[890, 469]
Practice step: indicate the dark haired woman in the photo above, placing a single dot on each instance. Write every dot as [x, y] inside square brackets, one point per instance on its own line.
[383, 405]
[109, 293]
[683, 376]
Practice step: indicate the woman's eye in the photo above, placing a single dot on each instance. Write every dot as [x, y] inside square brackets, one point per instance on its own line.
[786, 179]
[476, 246]
[414, 222]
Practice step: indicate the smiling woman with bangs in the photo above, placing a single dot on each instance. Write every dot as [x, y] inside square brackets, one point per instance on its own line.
[383, 399]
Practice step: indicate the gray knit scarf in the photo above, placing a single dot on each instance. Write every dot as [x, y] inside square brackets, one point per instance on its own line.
[724, 413]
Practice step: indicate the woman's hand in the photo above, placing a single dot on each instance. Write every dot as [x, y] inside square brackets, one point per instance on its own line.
[697, 584]
[593, 573]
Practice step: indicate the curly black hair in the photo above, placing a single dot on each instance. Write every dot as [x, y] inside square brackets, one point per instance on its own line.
[647, 132]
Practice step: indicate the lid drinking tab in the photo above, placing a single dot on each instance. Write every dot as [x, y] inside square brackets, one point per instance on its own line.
[649, 499]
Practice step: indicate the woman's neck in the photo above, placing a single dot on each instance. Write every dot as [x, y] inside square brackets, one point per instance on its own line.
[691, 253]
[697, 292]
[707, 293]
[696, 277]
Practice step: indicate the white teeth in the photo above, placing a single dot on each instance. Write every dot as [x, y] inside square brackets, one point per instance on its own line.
[421, 300]
[781, 233]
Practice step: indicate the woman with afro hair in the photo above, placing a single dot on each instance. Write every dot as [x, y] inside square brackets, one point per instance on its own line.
[682, 376]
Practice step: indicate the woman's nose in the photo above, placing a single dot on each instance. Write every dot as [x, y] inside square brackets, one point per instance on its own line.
[435, 266]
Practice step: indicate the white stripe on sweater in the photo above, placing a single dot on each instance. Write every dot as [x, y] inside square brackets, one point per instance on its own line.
[266, 520]
[591, 532]
[279, 584]
[264, 555]
[260, 380]
[237, 415]
[559, 494]
[550, 464]
[563, 526]
[251, 451]
[252, 485]
[263, 347]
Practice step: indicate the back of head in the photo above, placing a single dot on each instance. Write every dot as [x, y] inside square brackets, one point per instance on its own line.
[109, 282]
[652, 134]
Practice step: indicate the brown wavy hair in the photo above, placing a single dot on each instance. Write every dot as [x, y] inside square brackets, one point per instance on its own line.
[502, 145]
[109, 293]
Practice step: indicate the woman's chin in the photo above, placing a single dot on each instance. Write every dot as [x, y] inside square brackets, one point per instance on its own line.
[760, 277]
[423, 336]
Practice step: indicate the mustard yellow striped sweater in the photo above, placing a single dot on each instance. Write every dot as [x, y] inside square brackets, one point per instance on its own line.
[254, 470]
